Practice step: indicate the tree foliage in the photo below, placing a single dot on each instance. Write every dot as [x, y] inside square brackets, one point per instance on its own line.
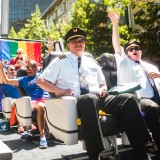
[148, 18]
[80, 14]
[12, 33]
[35, 29]
[93, 18]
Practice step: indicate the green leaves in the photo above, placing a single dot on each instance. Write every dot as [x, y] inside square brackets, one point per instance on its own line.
[148, 19]
[12, 33]
[116, 5]
[94, 19]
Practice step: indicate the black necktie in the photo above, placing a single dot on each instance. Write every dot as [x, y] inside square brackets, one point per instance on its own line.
[79, 62]
[156, 97]
[138, 62]
[83, 83]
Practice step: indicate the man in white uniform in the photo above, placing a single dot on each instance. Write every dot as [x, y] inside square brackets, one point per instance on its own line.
[74, 74]
[131, 68]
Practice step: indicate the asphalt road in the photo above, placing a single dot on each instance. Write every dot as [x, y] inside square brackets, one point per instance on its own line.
[29, 149]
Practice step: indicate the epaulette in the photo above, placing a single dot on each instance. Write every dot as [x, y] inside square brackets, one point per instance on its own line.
[62, 56]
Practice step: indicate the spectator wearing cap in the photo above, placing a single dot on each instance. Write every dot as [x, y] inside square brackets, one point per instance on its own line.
[19, 61]
[131, 68]
[75, 74]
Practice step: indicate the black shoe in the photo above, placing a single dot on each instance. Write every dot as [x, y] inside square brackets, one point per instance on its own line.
[34, 132]
[26, 137]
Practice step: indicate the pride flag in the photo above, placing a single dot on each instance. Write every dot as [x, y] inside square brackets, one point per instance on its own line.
[8, 48]
[32, 50]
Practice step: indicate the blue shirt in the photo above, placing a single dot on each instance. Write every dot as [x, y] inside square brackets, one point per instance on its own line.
[31, 88]
[11, 91]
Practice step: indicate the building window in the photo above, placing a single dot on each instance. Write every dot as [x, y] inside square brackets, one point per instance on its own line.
[60, 9]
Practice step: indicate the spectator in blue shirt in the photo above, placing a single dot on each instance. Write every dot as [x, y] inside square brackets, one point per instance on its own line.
[38, 95]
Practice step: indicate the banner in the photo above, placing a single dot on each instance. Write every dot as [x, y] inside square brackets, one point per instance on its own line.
[8, 50]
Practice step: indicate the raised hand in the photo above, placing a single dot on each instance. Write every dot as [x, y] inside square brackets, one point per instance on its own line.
[114, 16]
[49, 45]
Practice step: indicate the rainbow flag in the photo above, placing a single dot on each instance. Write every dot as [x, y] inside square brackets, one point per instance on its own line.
[8, 48]
[32, 50]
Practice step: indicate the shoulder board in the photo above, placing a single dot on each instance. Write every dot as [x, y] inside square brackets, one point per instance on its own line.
[62, 56]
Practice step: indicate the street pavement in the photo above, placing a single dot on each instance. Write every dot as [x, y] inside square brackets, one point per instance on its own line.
[29, 149]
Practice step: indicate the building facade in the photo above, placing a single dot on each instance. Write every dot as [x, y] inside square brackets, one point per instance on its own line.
[16, 12]
[59, 9]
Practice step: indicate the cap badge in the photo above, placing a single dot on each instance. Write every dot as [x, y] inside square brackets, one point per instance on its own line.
[75, 30]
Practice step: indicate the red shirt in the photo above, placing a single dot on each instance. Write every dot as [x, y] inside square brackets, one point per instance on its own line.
[13, 61]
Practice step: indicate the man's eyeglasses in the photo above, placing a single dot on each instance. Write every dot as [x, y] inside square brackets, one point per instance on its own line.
[136, 48]
[19, 52]
[12, 69]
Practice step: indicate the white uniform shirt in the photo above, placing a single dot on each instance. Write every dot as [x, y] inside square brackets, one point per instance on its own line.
[64, 73]
[129, 71]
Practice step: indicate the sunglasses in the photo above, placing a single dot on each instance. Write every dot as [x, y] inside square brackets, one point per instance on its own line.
[133, 48]
[12, 69]
[19, 52]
